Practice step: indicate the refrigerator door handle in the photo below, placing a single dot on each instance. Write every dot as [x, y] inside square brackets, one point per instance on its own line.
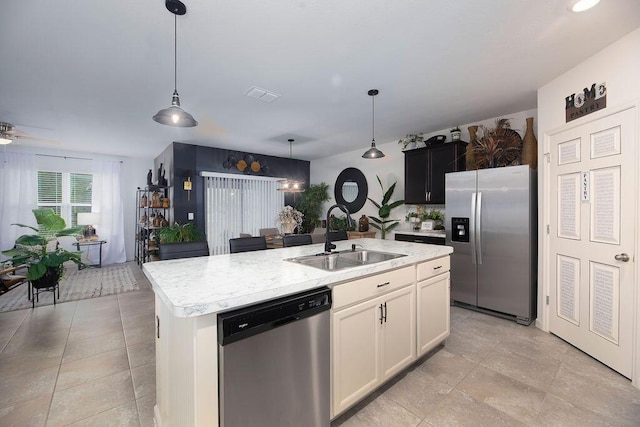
[472, 228]
[478, 228]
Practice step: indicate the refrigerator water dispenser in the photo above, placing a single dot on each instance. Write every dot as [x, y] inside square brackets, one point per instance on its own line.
[460, 229]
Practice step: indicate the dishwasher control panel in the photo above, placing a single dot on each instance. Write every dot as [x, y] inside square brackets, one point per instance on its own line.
[245, 322]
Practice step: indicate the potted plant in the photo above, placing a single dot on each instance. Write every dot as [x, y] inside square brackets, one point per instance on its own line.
[181, 241]
[384, 211]
[310, 205]
[410, 141]
[414, 219]
[41, 253]
[455, 133]
[177, 233]
[434, 215]
[340, 223]
[289, 218]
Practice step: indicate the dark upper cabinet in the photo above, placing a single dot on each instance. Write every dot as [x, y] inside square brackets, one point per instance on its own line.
[424, 170]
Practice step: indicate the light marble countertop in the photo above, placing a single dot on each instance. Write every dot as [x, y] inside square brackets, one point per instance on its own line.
[204, 285]
[434, 233]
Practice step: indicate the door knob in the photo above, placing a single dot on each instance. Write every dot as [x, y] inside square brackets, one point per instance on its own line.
[622, 257]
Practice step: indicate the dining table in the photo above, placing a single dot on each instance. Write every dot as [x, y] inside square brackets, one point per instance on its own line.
[274, 241]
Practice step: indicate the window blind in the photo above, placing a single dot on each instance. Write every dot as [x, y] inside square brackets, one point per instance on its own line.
[66, 193]
[237, 205]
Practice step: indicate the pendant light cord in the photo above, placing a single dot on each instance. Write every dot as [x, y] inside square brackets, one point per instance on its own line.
[373, 119]
[175, 52]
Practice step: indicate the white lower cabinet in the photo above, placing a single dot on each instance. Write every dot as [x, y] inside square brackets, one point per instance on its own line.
[433, 312]
[372, 341]
[382, 323]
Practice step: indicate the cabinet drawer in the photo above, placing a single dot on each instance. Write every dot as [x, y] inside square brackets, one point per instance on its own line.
[369, 287]
[433, 267]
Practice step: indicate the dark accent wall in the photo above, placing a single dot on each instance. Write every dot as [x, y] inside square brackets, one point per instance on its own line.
[190, 160]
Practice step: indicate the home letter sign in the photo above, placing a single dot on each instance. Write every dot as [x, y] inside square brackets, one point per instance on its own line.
[586, 102]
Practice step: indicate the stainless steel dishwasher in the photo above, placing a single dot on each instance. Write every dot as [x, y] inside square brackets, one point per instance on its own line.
[274, 362]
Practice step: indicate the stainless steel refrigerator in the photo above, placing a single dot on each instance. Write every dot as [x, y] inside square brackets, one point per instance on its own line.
[491, 223]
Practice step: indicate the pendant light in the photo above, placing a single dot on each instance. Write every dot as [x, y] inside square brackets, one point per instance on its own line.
[175, 115]
[291, 185]
[373, 152]
[582, 5]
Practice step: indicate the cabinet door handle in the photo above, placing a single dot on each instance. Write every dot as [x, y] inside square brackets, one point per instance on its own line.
[383, 284]
[437, 268]
[385, 312]
[381, 314]
[157, 326]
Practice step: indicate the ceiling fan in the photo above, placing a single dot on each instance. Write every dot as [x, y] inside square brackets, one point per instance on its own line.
[9, 133]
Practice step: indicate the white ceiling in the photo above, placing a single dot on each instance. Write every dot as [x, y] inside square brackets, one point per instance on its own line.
[90, 74]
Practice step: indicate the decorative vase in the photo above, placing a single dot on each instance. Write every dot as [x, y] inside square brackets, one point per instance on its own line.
[288, 226]
[363, 223]
[530, 146]
[470, 157]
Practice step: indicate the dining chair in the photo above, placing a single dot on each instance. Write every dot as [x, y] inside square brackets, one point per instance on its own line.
[338, 235]
[268, 231]
[8, 278]
[183, 250]
[318, 235]
[247, 244]
[296, 240]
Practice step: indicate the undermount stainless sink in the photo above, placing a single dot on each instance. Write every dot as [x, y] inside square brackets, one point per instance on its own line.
[344, 259]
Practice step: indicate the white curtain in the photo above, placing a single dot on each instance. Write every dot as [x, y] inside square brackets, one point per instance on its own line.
[106, 199]
[18, 195]
[239, 204]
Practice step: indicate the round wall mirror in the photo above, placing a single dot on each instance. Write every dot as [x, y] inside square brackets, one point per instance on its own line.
[351, 189]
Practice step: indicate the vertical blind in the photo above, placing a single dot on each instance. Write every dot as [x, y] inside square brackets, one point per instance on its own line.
[238, 204]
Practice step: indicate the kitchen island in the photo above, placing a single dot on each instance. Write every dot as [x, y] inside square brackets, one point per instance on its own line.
[191, 292]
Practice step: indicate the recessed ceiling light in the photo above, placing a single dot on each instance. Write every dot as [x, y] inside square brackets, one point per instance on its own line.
[582, 5]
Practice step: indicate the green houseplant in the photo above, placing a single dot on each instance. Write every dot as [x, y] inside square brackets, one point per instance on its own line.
[310, 204]
[384, 211]
[177, 232]
[340, 223]
[434, 215]
[410, 141]
[45, 266]
[455, 133]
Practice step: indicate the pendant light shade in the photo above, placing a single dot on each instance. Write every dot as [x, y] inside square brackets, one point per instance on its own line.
[582, 5]
[291, 185]
[373, 152]
[175, 115]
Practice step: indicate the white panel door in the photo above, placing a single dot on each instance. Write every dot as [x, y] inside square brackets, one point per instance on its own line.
[591, 237]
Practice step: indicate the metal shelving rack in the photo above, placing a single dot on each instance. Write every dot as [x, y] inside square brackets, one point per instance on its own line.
[146, 247]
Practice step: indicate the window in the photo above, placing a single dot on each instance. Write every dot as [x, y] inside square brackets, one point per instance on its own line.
[238, 204]
[66, 193]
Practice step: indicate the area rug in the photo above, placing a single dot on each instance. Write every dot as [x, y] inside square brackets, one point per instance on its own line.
[76, 285]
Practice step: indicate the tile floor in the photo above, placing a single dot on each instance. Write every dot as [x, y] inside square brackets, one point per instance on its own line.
[92, 363]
